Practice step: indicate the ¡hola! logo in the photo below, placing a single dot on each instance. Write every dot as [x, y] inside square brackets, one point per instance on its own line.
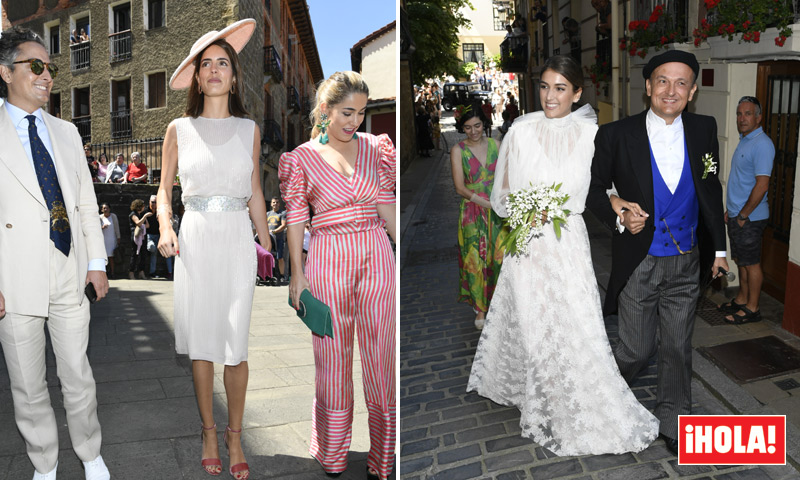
[732, 439]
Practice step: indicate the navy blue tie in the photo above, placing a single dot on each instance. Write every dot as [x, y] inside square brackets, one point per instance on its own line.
[48, 182]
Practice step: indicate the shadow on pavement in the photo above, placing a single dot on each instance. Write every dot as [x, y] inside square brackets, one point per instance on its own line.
[146, 402]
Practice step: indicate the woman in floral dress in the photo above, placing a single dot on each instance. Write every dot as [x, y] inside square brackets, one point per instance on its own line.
[480, 230]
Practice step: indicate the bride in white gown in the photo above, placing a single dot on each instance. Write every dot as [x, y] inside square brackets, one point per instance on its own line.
[544, 347]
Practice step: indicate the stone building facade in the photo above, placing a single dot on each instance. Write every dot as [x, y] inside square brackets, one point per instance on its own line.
[292, 69]
[114, 86]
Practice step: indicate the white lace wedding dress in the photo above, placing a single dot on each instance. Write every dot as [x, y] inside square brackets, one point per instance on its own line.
[544, 347]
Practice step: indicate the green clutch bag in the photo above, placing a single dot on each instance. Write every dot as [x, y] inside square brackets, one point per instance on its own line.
[315, 314]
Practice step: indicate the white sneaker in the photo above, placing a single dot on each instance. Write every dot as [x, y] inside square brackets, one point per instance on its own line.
[45, 476]
[479, 323]
[96, 469]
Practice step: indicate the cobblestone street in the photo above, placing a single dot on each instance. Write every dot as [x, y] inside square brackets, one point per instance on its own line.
[146, 401]
[447, 433]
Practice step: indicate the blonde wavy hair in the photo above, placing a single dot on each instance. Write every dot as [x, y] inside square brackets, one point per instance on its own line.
[333, 91]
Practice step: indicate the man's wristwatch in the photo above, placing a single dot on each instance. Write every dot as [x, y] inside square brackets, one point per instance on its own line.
[740, 217]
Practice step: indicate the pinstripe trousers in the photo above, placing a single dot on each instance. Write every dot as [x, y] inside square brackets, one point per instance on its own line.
[354, 274]
[656, 315]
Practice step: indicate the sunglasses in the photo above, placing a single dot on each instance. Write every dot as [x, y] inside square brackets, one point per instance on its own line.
[37, 66]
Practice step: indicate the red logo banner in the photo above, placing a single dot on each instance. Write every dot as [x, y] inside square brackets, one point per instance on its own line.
[732, 439]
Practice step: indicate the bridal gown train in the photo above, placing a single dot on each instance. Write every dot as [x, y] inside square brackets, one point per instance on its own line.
[544, 347]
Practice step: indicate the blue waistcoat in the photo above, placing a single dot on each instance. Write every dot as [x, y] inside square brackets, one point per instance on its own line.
[675, 213]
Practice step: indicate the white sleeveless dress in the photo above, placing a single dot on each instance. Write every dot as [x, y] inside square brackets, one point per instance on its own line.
[216, 269]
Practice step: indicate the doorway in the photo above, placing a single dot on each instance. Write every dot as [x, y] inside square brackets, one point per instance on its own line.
[778, 86]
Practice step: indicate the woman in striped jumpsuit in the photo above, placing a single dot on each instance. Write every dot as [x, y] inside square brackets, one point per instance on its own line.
[348, 178]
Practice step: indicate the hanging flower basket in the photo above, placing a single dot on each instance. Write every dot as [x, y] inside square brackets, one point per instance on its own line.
[655, 32]
[750, 18]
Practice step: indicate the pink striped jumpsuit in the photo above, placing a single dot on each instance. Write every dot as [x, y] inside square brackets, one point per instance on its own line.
[350, 267]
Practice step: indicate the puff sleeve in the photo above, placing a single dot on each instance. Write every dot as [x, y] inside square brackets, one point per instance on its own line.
[293, 188]
[387, 169]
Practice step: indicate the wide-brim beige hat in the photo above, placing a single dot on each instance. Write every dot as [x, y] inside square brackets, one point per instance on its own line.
[236, 34]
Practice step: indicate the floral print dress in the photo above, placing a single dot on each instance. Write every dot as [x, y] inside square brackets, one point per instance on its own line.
[480, 232]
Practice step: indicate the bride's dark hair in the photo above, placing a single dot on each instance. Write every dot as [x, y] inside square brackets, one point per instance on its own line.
[566, 67]
[472, 111]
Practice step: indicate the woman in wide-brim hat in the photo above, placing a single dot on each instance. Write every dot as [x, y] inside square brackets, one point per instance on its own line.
[217, 151]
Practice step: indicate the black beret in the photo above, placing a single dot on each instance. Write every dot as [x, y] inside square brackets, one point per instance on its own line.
[671, 56]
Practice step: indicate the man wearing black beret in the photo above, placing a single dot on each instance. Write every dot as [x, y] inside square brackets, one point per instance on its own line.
[663, 163]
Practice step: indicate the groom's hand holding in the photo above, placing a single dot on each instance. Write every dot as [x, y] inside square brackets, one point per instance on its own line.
[719, 262]
[631, 215]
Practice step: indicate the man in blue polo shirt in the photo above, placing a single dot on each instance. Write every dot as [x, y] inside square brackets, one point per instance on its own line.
[747, 210]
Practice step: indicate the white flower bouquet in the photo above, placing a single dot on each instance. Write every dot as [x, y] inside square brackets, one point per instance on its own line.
[526, 207]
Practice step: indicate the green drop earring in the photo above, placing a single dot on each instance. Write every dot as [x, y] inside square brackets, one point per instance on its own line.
[323, 128]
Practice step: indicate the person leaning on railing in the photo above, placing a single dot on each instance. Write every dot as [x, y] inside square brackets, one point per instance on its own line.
[137, 170]
[116, 171]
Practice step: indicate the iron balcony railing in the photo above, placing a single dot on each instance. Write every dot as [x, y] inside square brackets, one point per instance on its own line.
[272, 64]
[121, 124]
[294, 99]
[272, 134]
[305, 111]
[120, 46]
[80, 56]
[84, 125]
[514, 54]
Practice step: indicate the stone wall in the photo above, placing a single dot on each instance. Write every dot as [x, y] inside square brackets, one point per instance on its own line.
[153, 50]
[251, 58]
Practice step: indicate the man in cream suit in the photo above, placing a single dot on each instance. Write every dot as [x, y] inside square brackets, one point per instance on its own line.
[51, 247]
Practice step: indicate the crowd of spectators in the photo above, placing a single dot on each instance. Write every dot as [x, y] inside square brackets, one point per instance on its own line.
[118, 171]
[427, 108]
[145, 234]
[501, 108]
[144, 227]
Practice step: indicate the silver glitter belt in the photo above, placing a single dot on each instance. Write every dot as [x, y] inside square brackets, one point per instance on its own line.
[215, 204]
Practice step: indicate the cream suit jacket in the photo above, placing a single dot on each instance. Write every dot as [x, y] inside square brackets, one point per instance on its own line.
[25, 219]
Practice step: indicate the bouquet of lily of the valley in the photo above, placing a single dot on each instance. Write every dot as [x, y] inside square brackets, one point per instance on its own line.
[526, 207]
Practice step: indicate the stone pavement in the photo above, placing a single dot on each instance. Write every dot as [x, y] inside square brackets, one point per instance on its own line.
[146, 399]
[449, 434]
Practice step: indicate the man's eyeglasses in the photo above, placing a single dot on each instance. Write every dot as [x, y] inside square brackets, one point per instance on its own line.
[37, 66]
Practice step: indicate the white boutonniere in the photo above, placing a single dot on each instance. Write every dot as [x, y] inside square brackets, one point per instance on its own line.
[709, 165]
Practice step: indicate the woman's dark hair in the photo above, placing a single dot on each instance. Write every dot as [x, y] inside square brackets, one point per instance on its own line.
[472, 112]
[566, 67]
[10, 41]
[194, 101]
